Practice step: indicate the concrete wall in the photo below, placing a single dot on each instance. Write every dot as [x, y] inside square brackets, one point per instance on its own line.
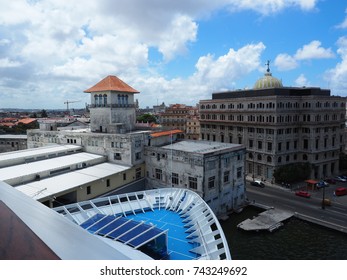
[222, 197]
[99, 187]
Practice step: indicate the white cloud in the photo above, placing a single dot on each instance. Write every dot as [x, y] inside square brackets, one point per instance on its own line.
[313, 50]
[337, 76]
[212, 74]
[344, 23]
[301, 81]
[175, 40]
[267, 7]
[6, 63]
[55, 48]
[285, 62]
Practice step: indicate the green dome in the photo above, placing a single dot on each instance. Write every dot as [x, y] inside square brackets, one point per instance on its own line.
[267, 82]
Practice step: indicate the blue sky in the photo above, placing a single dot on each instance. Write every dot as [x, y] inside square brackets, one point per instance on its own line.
[170, 51]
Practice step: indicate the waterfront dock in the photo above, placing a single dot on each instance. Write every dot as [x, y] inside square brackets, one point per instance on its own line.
[269, 220]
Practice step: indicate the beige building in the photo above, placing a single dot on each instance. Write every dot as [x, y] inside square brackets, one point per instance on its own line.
[182, 117]
[278, 125]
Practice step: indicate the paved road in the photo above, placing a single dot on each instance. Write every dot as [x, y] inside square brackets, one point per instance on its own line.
[334, 216]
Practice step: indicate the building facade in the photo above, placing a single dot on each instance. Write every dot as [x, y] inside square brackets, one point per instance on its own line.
[177, 116]
[214, 170]
[12, 142]
[278, 125]
[112, 108]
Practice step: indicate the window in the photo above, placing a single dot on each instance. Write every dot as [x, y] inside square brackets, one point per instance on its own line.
[108, 183]
[117, 156]
[174, 179]
[211, 181]
[138, 173]
[138, 156]
[89, 191]
[260, 145]
[239, 172]
[269, 146]
[124, 176]
[193, 183]
[226, 176]
[158, 174]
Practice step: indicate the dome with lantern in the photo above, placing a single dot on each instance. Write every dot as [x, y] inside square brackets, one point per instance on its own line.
[268, 81]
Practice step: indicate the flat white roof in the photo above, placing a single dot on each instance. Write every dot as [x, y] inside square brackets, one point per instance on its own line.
[54, 185]
[201, 147]
[35, 152]
[36, 167]
[13, 136]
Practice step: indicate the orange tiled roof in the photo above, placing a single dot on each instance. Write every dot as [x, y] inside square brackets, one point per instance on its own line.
[26, 120]
[7, 124]
[165, 133]
[111, 83]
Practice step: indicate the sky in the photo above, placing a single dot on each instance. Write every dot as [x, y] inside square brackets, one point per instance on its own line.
[171, 51]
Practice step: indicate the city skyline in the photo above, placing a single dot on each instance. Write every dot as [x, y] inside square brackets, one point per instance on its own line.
[170, 51]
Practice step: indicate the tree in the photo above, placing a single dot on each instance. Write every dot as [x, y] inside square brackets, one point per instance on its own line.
[147, 118]
[43, 114]
[343, 162]
[291, 173]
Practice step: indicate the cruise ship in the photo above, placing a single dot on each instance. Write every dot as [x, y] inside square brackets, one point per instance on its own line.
[168, 224]
[158, 224]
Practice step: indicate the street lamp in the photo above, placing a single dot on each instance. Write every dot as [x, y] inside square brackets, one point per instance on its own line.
[323, 200]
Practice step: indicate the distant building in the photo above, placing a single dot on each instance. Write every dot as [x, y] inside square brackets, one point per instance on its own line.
[278, 125]
[177, 116]
[12, 142]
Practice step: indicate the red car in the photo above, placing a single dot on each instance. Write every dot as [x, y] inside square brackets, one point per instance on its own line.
[303, 194]
[340, 191]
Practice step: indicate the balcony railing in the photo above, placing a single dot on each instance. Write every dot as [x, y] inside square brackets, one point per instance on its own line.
[112, 106]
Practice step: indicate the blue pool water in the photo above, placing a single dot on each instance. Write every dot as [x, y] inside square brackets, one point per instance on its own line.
[178, 244]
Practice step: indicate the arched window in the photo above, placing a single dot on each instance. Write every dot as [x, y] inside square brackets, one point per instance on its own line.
[96, 100]
[105, 100]
[279, 159]
[304, 157]
[100, 100]
[126, 99]
[268, 159]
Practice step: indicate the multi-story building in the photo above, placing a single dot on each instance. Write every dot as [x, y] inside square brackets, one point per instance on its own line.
[176, 116]
[193, 128]
[214, 170]
[278, 125]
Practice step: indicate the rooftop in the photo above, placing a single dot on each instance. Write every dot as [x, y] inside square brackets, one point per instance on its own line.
[111, 83]
[201, 147]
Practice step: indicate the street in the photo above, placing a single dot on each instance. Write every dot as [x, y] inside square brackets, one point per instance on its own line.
[281, 198]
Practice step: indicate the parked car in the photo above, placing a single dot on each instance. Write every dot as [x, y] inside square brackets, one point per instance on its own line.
[330, 181]
[322, 184]
[340, 191]
[303, 194]
[258, 183]
[340, 179]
